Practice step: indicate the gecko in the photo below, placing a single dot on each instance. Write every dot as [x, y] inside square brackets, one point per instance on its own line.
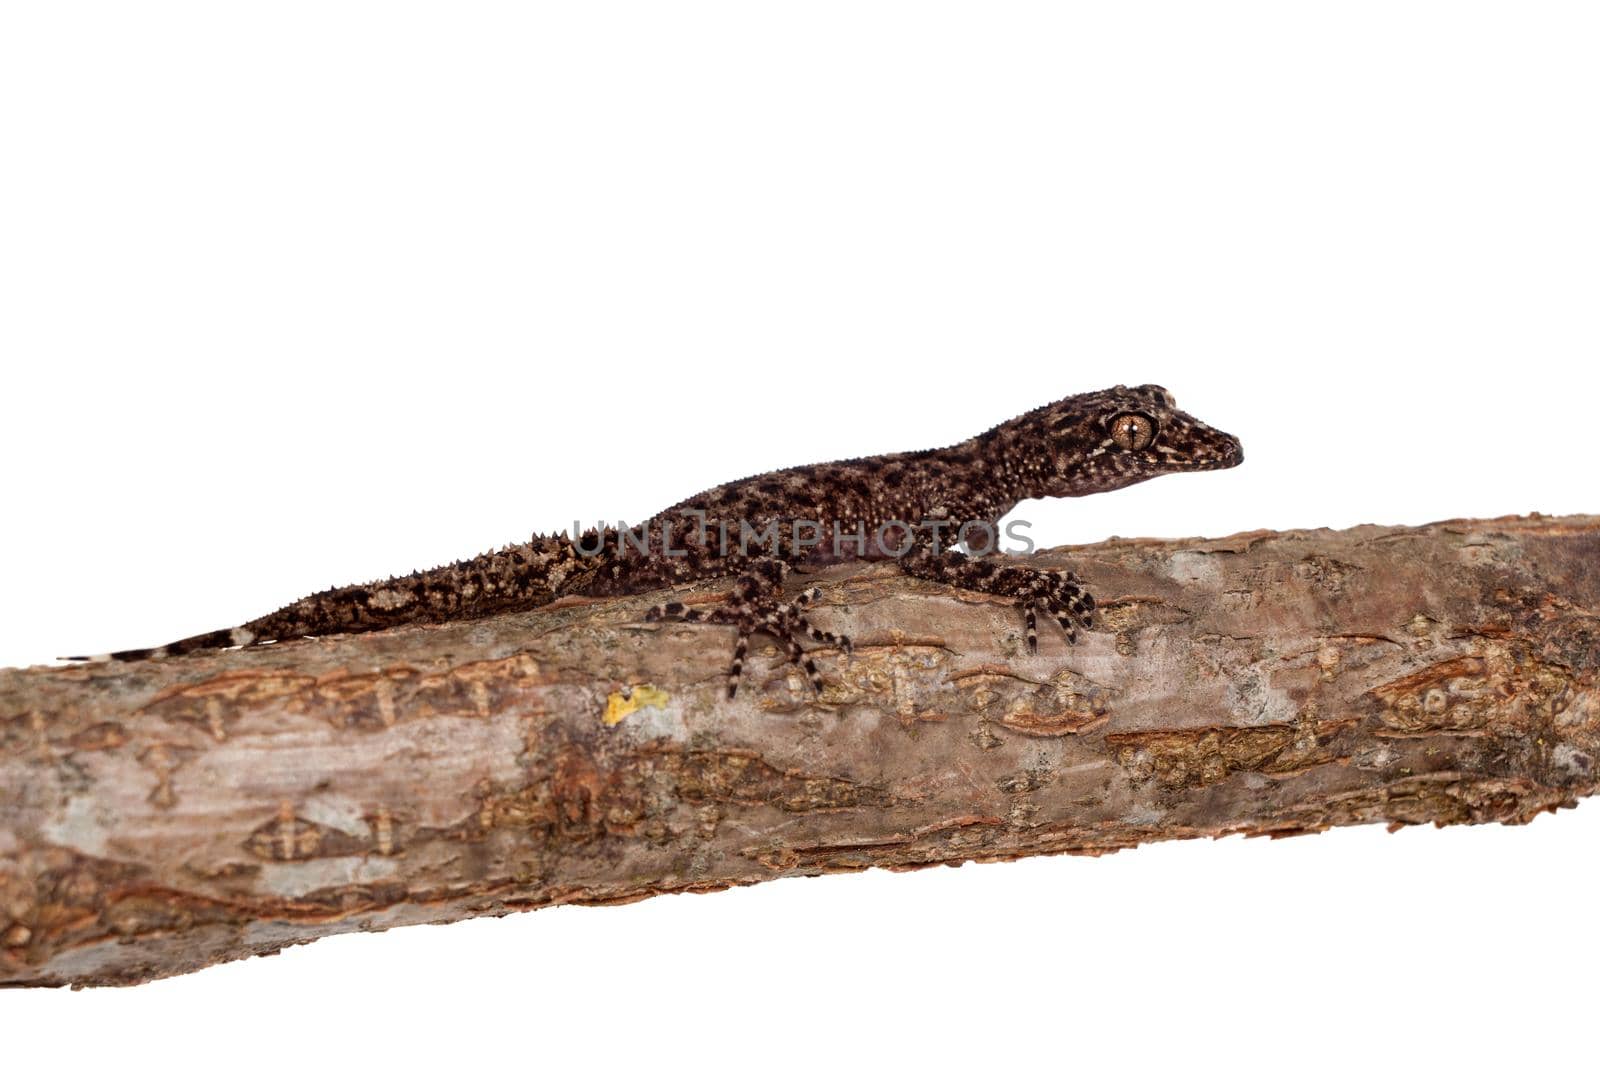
[915, 508]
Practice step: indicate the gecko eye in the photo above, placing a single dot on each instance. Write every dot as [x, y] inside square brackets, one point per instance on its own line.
[1132, 432]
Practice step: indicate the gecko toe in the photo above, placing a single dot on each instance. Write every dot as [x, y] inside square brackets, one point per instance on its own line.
[756, 607]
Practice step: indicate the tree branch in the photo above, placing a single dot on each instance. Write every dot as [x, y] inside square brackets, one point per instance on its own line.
[159, 817]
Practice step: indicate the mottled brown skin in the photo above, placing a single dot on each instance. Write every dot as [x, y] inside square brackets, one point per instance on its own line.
[1090, 443]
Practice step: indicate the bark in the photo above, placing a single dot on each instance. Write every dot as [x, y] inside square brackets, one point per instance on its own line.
[159, 817]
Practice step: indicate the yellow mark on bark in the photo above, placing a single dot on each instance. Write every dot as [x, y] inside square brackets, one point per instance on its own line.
[619, 707]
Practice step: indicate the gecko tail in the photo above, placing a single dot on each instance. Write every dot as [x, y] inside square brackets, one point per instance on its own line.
[514, 578]
[236, 637]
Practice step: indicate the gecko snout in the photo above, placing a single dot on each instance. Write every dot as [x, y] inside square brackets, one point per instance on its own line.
[1212, 450]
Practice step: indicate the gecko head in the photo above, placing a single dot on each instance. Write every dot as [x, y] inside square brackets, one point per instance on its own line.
[1096, 442]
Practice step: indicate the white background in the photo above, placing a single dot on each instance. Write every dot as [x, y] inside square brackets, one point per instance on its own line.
[297, 294]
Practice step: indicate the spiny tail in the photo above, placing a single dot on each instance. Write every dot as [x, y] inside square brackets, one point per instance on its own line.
[512, 579]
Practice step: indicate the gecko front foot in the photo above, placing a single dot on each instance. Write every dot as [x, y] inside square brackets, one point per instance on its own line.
[755, 607]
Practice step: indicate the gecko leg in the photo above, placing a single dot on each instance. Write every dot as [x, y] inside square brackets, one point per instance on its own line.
[1060, 596]
[755, 607]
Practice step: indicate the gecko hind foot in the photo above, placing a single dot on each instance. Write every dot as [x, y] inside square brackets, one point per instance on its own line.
[1058, 594]
[755, 608]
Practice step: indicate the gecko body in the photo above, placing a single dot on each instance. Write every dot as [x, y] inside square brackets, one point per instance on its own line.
[910, 507]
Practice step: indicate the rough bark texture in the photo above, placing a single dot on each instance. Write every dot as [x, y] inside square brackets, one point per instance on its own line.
[159, 817]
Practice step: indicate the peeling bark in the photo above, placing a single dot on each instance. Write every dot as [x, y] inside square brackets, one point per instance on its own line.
[159, 817]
